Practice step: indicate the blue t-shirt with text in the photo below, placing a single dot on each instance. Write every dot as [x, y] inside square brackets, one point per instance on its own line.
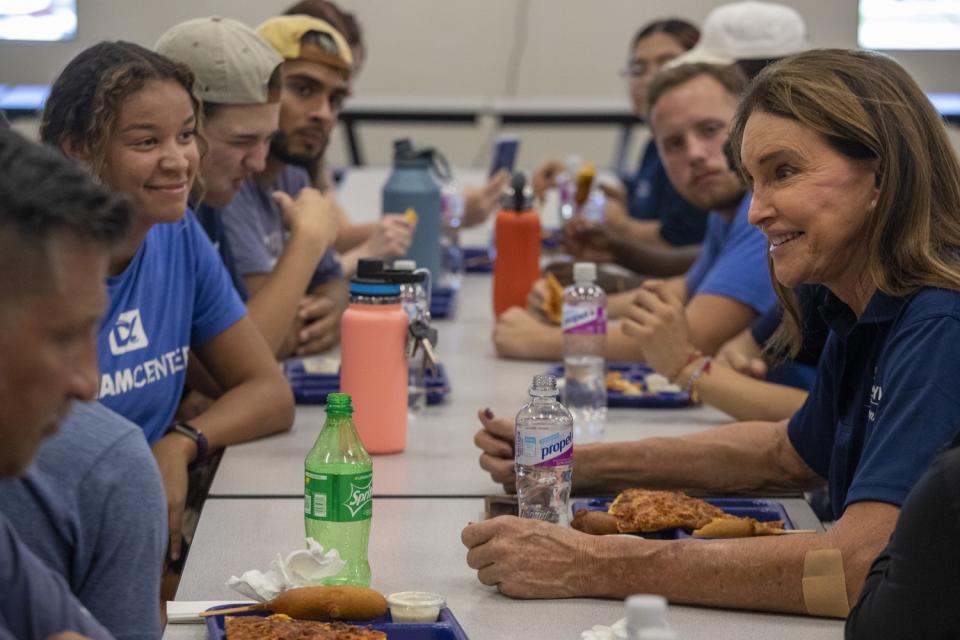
[174, 296]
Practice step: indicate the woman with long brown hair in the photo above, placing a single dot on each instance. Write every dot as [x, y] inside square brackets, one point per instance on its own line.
[857, 189]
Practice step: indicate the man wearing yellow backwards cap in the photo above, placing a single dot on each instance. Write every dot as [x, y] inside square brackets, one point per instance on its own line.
[316, 68]
[294, 39]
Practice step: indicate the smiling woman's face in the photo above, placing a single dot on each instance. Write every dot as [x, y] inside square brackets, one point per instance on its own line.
[811, 201]
[152, 153]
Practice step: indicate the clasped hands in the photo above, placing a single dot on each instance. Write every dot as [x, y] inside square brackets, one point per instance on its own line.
[657, 321]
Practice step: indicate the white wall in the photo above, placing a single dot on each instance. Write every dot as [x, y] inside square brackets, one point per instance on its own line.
[464, 49]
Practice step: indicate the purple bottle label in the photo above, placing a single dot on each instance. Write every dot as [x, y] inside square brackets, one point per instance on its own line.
[544, 448]
[584, 319]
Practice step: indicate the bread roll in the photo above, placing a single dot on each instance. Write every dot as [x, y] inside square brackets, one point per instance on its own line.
[330, 603]
[596, 523]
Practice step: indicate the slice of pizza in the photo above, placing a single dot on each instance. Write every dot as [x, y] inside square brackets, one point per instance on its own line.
[641, 510]
[284, 628]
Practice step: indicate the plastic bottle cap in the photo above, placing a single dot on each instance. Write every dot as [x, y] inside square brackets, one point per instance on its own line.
[518, 195]
[645, 612]
[585, 272]
[369, 268]
[402, 146]
[405, 265]
[545, 385]
[339, 403]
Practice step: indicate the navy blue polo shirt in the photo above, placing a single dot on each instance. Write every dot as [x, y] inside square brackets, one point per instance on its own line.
[651, 196]
[801, 370]
[886, 397]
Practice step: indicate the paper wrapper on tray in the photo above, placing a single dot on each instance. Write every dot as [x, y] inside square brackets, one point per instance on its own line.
[301, 568]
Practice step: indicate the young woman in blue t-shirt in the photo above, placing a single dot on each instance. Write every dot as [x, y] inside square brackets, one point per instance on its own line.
[129, 114]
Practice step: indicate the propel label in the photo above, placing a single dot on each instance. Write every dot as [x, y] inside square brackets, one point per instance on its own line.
[544, 448]
[584, 320]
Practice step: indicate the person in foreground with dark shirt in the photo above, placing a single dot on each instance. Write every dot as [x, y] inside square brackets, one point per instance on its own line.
[56, 231]
[911, 590]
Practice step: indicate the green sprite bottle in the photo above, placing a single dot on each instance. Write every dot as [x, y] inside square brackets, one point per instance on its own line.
[338, 489]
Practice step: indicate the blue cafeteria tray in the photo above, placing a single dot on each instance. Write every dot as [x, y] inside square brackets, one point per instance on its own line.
[635, 372]
[551, 239]
[312, 388]
[445, 628]
[481, 259]
[760, 509]
[443, 300]
[478, 259]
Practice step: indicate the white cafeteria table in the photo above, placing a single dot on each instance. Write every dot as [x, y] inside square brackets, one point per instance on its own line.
[425, 495]
[415, 544]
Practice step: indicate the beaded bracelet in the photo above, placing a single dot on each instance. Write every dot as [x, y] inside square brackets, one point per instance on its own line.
[702, 368]
[694, 355]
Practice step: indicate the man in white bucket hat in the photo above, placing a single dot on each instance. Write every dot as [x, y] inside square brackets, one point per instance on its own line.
[750, 33]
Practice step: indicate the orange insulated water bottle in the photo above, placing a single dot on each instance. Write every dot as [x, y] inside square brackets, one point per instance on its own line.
[517, 233]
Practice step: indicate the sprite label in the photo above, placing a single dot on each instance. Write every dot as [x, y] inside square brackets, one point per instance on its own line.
[338, 497]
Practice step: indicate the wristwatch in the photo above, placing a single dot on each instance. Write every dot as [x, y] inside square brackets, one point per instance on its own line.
[187, 429]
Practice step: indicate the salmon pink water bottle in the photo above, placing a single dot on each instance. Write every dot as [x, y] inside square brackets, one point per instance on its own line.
[373, 368]
[517, 232]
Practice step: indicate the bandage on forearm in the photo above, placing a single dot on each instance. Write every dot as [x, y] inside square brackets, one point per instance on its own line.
[824, 585]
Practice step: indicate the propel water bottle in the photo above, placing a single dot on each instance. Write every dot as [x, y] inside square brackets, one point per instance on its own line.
[566, 189]
[584, 338]
[544, 454]
[338, 485]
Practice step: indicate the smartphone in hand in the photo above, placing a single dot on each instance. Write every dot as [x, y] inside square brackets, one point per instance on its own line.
[504, 153]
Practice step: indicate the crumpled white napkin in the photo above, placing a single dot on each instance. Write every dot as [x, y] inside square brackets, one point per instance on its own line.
[300, 568]
[602, 632]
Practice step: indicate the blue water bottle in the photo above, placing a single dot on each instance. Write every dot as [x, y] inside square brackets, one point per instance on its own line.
[414, 183]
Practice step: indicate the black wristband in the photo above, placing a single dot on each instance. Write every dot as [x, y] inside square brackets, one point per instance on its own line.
[188, 430]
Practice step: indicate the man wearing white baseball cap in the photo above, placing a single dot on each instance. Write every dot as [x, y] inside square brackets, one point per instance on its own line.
[752, 34]
[238, 78]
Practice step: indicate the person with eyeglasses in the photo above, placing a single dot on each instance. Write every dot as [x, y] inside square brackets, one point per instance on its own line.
[648, 209]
